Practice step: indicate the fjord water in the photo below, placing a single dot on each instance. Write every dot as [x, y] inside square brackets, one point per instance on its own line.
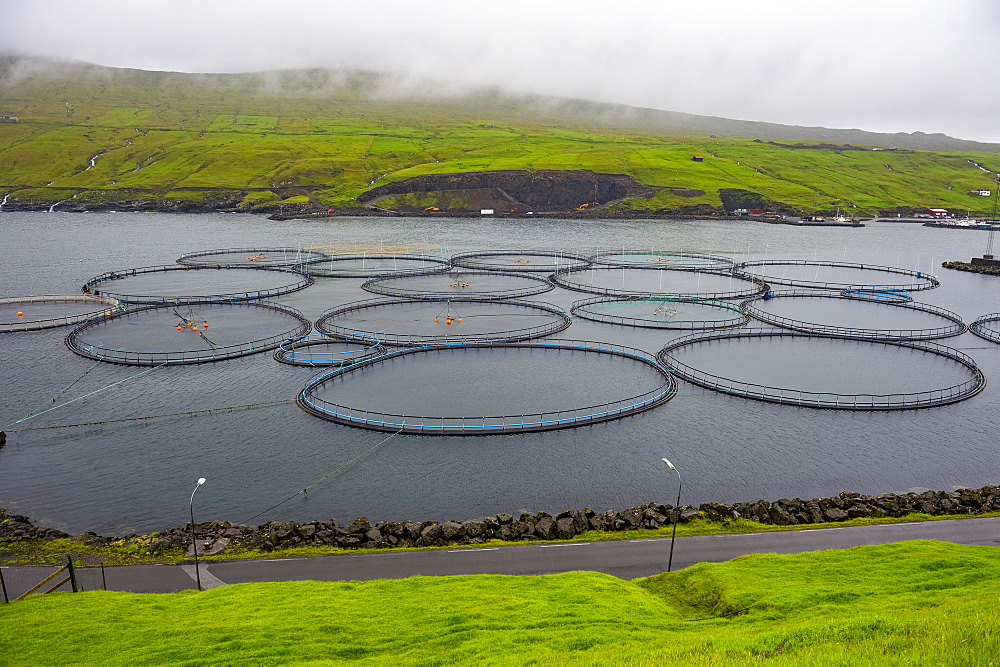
[131, 476]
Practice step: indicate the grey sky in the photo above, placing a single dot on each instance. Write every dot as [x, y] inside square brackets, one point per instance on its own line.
[881, 65]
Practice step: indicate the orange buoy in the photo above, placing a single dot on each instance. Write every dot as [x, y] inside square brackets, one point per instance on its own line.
[460, 319]
[19, 313]
[205, 325]
[437, 319]
[179, 327]
[194, 328]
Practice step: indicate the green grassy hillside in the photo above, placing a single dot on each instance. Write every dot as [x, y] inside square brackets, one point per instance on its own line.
[99, 137]
[920, 602]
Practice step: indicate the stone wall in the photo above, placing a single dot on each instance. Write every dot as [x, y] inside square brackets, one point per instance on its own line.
[276, 535]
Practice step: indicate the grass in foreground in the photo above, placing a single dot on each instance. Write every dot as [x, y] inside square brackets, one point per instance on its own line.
[920, 602]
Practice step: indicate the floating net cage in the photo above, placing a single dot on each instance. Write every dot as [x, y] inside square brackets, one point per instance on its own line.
[374, 265]
[178, 284]
[987, 327]
[663, 260]
[658, 282]
[28, 313]
[962, 376]
[868, 278]
[880, 295]
[188, 333]
[519, 260]
[833, 314]
[489, 388]
[403, 322]
[253, 257]
[673, 313]
[460, 283]
[319, 350]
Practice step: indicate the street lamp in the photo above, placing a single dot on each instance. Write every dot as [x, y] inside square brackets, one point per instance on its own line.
[194, 540]
[677, 511]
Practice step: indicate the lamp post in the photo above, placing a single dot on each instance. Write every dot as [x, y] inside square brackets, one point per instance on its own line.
[194, 540]
[677, 511]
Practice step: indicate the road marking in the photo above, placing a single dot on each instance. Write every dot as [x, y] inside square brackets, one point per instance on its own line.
[208, 580]
[575, 544]
[462, 551]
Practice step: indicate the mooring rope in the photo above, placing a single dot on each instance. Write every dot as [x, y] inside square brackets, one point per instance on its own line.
[131, 377]
[65, 389]
[332, 472]
[171, 414]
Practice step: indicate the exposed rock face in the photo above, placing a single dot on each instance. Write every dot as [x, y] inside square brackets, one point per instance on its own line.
[541, 191]
[276, 535]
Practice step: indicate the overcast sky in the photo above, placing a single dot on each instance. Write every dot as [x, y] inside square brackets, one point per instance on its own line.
[880, 65]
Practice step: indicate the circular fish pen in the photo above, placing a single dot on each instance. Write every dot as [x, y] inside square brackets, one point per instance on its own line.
[881, 295]
[374, 265]
[460, 283]
[823, 371]
[691, 261]
[252, 257]
[28, 313]
[835, 275]
[489, 388]
[188, 333]
[987, 327]
[519, 260]
[833, 314]
[178, 284]
[652, 283]
[673, 313]
[319, 350]
[404, 322]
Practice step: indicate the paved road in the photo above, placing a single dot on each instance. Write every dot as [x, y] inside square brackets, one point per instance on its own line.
[625, 559]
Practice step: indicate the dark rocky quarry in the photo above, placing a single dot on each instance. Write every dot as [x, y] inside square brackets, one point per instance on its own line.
[542, 191]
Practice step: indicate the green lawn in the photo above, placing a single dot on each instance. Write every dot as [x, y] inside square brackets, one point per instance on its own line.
[920, 602]
[159, 131]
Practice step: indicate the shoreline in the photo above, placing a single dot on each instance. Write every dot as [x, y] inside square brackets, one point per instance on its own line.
[215, 536]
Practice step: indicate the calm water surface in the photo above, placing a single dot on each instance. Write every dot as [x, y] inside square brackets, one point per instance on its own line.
[121, 477]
